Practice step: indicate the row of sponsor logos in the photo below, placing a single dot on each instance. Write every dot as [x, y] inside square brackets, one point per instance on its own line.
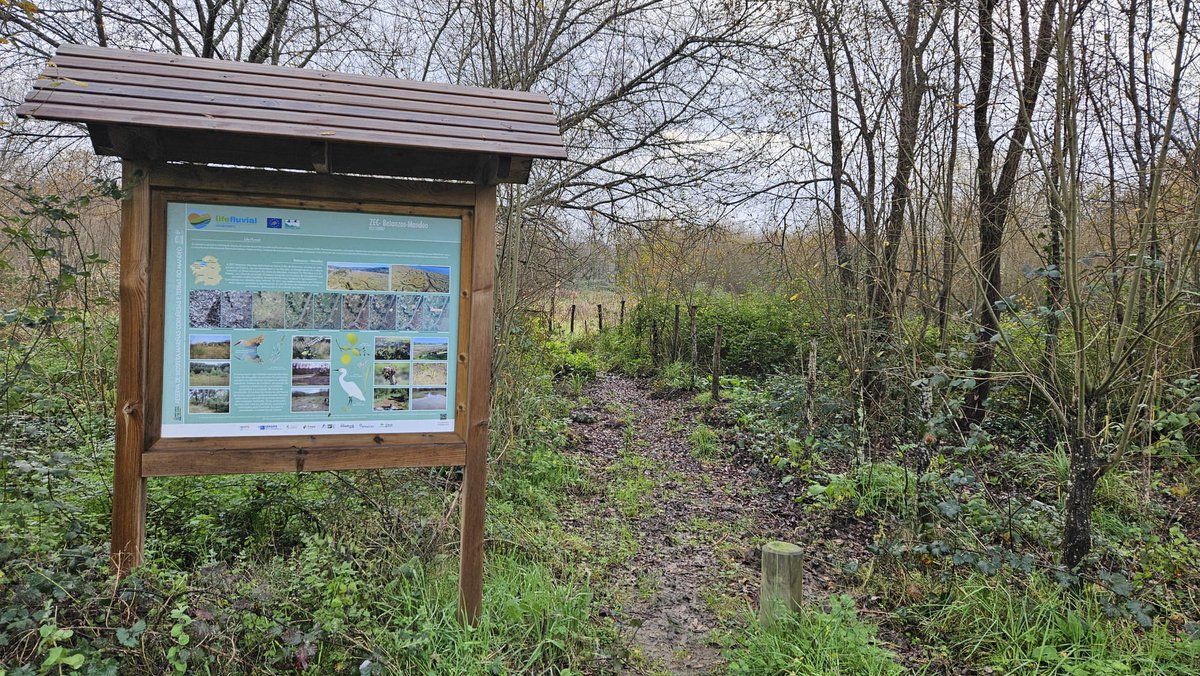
[200, 221]
[274, 427]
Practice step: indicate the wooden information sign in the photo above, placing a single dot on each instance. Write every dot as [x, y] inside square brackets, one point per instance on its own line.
[280, 321]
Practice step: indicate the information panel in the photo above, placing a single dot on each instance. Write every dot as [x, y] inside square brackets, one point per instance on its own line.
[303, 322]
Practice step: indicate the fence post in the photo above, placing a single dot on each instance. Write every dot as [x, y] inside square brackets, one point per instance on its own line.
[550, 317]
[782, 588]
[716, 366]
[572, 318]
[621, 319]
[599, 318]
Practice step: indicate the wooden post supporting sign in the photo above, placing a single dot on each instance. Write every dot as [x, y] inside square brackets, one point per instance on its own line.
[129, 484]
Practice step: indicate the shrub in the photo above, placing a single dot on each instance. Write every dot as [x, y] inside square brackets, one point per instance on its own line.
[568, 363]
[761, 332]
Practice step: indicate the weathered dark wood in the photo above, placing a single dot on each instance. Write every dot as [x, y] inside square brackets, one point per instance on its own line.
[129, 487]
[285, 153]
[193, 67]
[253, 183]
[209, 460]
[572, 318]
[599, 318]
[269, 96]
[716, 365]
[77, 106]
[479, 374]
[621, 317]
[160, 107]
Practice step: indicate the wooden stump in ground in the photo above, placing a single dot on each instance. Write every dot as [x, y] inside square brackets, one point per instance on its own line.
[782, 588]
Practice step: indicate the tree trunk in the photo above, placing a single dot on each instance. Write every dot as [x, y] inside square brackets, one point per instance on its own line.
[841, 245]
[1081, 497]
[995, 197]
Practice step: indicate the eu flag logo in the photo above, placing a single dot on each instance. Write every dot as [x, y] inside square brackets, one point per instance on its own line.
[275, 223]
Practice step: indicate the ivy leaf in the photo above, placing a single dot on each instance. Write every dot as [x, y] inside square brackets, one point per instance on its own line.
[129, 637]
[949, 508]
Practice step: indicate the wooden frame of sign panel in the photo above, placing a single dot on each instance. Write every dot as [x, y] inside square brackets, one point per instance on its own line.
[140, 450]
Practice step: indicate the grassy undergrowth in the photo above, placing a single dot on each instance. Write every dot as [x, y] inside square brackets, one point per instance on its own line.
[351, 573]
[962, 559]
[814, 642]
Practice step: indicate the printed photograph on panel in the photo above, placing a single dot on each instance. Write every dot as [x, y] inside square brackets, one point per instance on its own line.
[208, 346]
[420, 279]
[390, 399]
[326, 311]
[356, 311]
[429, 374]
[312, 348]
[310, 399]
[429, 399]
[431, 349]
[204, 309]
[392, 348]
[391, 373]
[202, 373]
[310, 372]
[208, 400]
[383, 312]
[356, 277]
[236, 309]
[297, 310]
[267, 310]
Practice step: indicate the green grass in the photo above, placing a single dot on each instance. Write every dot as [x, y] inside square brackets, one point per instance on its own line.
[813, 642]
[276, 573]
[704, 442]
[1033, 625]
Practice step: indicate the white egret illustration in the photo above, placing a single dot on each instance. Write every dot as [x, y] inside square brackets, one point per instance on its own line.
[350, 388]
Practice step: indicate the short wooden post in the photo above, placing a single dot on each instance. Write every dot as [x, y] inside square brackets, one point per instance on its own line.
[129, 486]
[782, 589]
[572, 318]
[621, 318]
[675, 336]
[716, 366]
[599, 318]
[695, 356]
[550, 317]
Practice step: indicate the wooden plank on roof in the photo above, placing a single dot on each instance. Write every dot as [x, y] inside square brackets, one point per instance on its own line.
[377, 87]
[285, 71]
[102, 81]
[356, 119]
[324, 123]
[308, 132]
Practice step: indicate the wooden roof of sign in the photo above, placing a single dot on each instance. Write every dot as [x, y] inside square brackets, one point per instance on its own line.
[162, 107]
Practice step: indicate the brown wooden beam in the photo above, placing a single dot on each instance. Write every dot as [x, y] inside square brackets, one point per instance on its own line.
[233, 461]
[479, 383]
[129, 486]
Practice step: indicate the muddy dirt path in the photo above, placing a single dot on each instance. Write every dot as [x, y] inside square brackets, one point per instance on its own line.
[692, 517]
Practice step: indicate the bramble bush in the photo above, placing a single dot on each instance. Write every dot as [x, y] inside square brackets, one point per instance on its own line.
[761, 333]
